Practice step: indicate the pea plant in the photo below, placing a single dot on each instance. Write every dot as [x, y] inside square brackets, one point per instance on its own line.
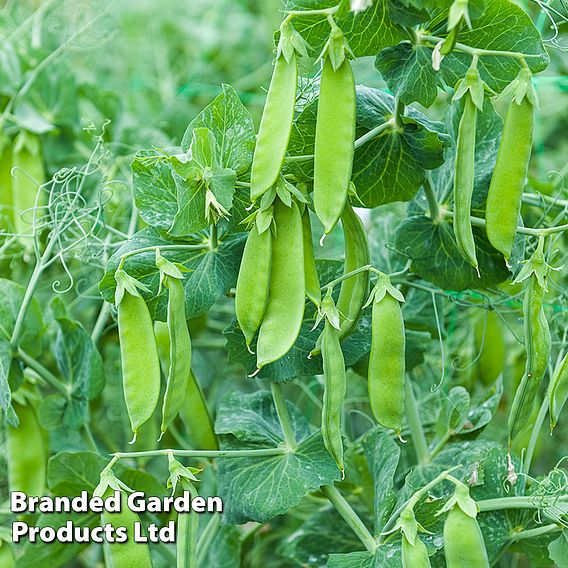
[348, 322]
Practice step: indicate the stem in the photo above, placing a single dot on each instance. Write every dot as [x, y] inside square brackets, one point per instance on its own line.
[206, 453]
[398, 112]
[207, 537]
[350, 516]
[44, 373]
[534, 436]
[440, 445]
[533, 502]
[416, 430]
[433, 206]
[333, 283]
[283, 415]
[521, 535]
[475, 51]
[128, 254]
[213, 237]
[100, 323]
[523, 230]
[322, 12]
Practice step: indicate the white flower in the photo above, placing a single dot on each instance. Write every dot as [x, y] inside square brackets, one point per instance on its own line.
[360, 5]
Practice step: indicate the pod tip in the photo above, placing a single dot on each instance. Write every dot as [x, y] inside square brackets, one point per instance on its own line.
[133, 441]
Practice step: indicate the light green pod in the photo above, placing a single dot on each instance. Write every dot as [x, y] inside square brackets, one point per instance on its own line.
[127, 554]
[180, 353]
[140, 361]
[29, 175]
[196, 417]
[186, 534]
[490, 344]
[26, 453]
[275, 127]
[386, 363]
[313, 288]
[414, 555]
[286, 297]
[463, 181]
[509, 176]
[334, 143]
[253, 282]
[463, 541]
[558, 391]
[538, 347]
[335, 386]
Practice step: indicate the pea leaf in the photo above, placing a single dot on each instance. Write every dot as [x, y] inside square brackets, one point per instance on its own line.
[212, 273]
[558, 550]
[225, 550]
[260, 488]
[366, 32]
[387, 556]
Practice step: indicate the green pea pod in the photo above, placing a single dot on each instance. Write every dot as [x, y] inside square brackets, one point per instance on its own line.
[186, 534]
[386, 363]
[286, 297]
[196, 418]
[451, 39]
[490, 344]
[125, 554]
[29, 175]
[414, 555]
[180, 353]
[463, 542]
[335, 136]
[558, 391]
[140, 361]
[334, 392]
[313, 288]
[354, 290]
[509, 176]
[538, 346]
[6, 203]
[26, 452]
[253, 282]
[463, 181]
[275, 127]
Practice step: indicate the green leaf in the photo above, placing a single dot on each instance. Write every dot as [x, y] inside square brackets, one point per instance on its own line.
[211, 273]
[382, 455]
[231, 124]
[558, 550]
[69, 473]
[366, 32]
[386, 556]
[504, 26]
[225, 550]
[260, 489]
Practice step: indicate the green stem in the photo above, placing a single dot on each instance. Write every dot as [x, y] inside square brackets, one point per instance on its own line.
[523, 230]
[213, 237]
[128, 254]
[283, 415]
[350, 516]
[44, 373]
[99, 326]
[398, 112]
[322, 12]
[416, 430]
[440, 445]
[474, 51]
[534, 436]
[531, 533]
[433, 205]
[206, 453]
[207, 537]
[343, 277]
[501, 503]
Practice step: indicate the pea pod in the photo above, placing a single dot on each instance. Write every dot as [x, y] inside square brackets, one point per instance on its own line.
[140, 361]
[130, 553]
[414, 555]
[196, 418]
[186, 534]
[509, 176]
[26, 453]
[386, 362]
[334, 392]
[253, 282]
[275, 126]
[490, 344]
[313, 288]
[537, 345]
[286, 297]
[558, 391]
[28, 176]
[335, 136]
[180, 352]
[463, 181]
[463, 542]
